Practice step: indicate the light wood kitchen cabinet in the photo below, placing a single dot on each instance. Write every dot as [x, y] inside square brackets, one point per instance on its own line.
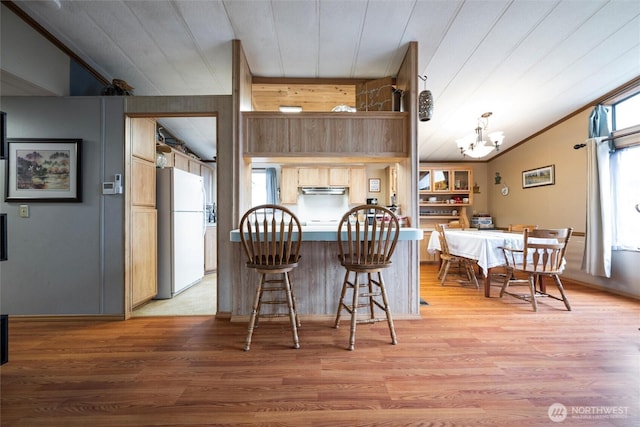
[339, 177]
[357, 186]
[210, 249]
[143, 182]
[323, 177]
[144, 254]
[141, 223]
[143, 139]
[181, 161]
[195, 167]
[313, 177]
[289, 185]
[425, 256]
[444, 194]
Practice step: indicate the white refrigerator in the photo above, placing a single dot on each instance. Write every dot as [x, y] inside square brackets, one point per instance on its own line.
[181, 228]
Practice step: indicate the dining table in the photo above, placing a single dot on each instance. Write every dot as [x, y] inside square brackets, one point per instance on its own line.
[484, 246]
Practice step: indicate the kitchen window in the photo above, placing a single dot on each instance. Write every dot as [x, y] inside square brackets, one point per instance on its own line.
[264, 186]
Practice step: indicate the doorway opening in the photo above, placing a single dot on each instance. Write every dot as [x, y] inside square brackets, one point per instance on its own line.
[199, 297]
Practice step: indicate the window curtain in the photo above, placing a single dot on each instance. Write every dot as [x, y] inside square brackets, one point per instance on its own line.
[272, 186]
[597, 249]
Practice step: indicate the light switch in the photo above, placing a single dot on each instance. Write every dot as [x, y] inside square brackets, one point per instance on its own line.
[24, 211]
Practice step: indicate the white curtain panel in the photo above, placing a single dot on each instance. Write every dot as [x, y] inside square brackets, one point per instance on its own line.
[597, 249]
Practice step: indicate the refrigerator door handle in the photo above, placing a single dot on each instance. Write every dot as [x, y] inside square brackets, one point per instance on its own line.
[204, 211]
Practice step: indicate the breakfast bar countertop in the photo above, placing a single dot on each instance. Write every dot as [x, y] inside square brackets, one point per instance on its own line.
[322, 233]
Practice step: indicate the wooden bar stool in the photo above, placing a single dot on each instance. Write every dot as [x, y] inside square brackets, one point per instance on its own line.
[367, 237]
[271, 238]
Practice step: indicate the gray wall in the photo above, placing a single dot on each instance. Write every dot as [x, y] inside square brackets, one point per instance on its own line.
[67, 258]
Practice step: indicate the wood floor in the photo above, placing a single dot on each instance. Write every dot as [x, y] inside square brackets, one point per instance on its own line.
[469, 361]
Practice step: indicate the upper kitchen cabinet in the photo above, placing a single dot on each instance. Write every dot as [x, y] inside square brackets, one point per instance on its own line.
[368, 134]
[444, 193]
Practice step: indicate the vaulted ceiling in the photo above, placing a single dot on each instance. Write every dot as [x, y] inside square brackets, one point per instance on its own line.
[529, 62]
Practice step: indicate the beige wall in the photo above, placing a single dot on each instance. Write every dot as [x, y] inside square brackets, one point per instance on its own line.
[559, 205]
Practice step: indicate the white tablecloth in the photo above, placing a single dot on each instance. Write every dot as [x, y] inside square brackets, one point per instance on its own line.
[483, 246]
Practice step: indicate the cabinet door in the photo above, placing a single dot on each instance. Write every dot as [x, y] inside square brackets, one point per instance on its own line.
[194, 167]
[313, 177]
[357, 186]
[440, 180]
[143, 139]
[143, 183]
[289, 185]
[144, 245]
[210, 249]
[425, 256]
[181, 162]
[461, 180]
[339, 177]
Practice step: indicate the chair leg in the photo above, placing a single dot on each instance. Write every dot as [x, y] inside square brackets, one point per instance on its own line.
[293, 314]
[505, 284]
[341, 304]
[354, 313]
[370, 282]
[532, 287]
[387, 310]
[446, 270]
[293, 300]
[254, 312]
[471, 272]
[561, 289]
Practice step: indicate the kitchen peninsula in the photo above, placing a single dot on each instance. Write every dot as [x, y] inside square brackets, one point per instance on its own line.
[318, 279]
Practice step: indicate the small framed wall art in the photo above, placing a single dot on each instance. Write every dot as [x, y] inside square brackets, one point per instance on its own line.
[44, 170]
[539, 176]
[374, 185]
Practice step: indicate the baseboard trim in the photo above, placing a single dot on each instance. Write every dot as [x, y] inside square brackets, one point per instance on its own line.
[65, 317]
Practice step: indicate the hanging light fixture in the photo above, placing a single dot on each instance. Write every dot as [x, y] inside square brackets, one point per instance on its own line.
[425, 102]
[478, 145]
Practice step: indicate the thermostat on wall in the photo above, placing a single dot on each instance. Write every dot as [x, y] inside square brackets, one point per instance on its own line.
[114, 187]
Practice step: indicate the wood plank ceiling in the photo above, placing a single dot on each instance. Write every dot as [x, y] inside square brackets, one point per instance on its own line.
[529, 62]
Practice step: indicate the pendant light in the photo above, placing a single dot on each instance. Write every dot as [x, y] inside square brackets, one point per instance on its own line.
[425, 103]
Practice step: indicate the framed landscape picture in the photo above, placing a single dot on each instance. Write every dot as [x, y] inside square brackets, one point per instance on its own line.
[539, 176]
[44, 170]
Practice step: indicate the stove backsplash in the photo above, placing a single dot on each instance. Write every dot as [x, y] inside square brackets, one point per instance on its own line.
[321, 207]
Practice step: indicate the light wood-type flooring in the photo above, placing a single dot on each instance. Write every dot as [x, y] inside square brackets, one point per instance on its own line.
[470, 361]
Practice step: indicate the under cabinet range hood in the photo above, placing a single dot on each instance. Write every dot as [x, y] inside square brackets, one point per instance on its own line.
[323, 190]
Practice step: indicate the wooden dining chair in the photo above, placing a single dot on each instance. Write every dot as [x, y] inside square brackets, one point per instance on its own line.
[271, 237]
[365, 248]
[449, 260]
[542, 256]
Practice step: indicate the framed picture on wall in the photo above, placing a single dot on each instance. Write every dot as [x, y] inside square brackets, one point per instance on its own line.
[3, 135]
[538, 177]
[44, 170]
[374, 185]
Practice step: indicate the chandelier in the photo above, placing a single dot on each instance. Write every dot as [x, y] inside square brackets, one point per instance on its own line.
[480, 143]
